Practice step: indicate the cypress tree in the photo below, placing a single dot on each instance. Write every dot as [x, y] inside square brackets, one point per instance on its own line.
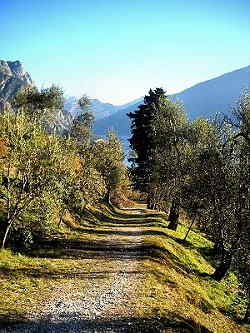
[143, 141]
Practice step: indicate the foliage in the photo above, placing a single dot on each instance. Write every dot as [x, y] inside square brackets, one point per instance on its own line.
[82, 124]
[38, 105]
[143, 138]
[162, 156]
[43, 175]
[201, 167]
[108, 158]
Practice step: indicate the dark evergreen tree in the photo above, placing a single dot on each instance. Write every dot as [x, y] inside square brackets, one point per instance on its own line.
[143, 142]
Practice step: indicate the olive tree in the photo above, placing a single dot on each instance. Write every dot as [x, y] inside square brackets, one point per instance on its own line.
[29, 167]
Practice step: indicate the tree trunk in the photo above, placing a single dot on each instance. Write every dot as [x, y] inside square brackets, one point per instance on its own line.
[61, 218]
[6, 234]
[11, 218]
[188, 231]
[174, 214]
[247, 313]
[224, 266]
[218, 248]
[107, 197]
[149, 203]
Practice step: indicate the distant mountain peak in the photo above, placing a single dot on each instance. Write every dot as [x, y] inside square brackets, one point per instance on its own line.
[16, 67]
[99, 109]
[12, 78]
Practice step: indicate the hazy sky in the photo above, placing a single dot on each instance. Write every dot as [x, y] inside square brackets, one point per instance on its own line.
[116, 50]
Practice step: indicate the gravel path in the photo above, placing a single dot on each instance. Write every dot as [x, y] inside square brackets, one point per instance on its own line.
[108, 306]
[72, 312]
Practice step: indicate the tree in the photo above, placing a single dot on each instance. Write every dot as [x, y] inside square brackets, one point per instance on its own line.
[142, 141]
[40, 106]
[201, 137]
[238, 209]
[213, 188]
[220, 184]
[40, 170]
[28, 168]
[159, 140]
[81, 127]
[109, 158]
[171, 155]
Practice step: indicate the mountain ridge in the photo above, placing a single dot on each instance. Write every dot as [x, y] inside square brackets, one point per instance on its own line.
[204, 99]
[100, 109]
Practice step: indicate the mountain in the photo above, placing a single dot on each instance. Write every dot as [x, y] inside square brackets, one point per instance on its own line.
[12, 79]
[135, 101]
[99, 109]
[102, 110]
[214, 96]
[118, 122]
[202, 100]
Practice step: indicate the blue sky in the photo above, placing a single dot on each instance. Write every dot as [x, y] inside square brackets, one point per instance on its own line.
[116, 50]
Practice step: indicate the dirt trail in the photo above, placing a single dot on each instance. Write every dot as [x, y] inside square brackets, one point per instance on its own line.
[108, 299]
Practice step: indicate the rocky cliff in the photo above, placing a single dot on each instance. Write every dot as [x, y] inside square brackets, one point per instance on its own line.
[12, 79]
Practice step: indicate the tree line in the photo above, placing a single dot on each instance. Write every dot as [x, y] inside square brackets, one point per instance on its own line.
[44, 174]
[201, 167]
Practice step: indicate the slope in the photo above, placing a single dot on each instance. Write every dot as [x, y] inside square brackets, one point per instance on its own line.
[217, 95]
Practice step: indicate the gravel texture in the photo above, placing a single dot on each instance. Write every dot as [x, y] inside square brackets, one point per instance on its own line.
[98, 310]
[108, 306]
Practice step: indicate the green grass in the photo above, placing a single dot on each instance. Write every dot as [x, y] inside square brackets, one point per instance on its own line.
[200, 298]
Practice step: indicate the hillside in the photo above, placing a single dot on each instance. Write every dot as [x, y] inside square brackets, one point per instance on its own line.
[127, 273]
[217, 95]
[202, 100]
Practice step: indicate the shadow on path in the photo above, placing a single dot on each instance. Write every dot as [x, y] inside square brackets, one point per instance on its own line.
[118, 232]
[101, 249]
[72, 323]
